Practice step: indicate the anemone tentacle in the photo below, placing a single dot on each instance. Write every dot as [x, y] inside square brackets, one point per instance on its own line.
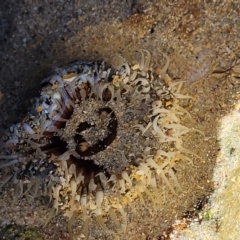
[96, 129]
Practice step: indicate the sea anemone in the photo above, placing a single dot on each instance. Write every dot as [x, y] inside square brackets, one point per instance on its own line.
[97, 138]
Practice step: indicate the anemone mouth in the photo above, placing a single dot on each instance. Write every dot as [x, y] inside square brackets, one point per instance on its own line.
[101, 129]
[86, 149]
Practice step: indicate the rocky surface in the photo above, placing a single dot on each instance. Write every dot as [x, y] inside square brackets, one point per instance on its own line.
[201, 40]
